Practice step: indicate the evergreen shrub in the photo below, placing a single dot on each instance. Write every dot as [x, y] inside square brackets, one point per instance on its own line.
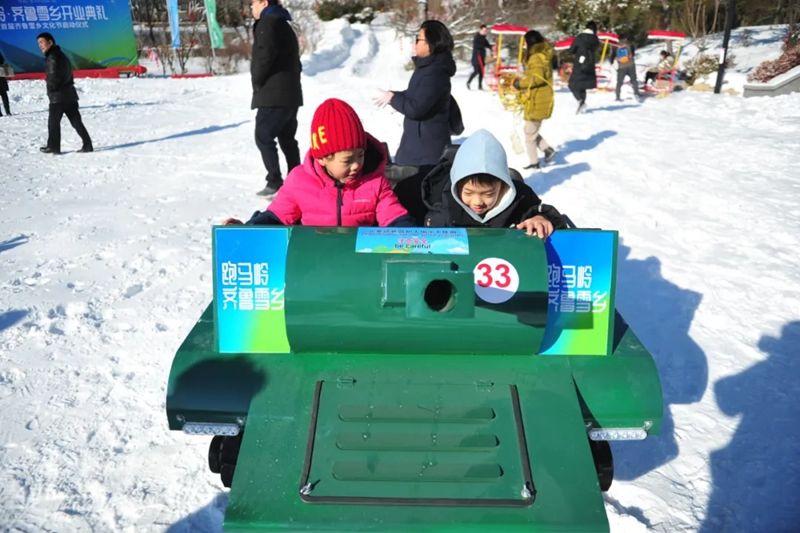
[356, 11]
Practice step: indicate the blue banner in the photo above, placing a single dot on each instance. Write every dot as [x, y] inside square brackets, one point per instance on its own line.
[92, 33]
[174, 23]
[249, 284]
[582, 273]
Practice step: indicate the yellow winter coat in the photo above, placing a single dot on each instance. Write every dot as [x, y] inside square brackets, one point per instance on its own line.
[536, 85]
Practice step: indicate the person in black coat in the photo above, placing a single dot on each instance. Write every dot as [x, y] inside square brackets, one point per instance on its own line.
[4, 86]
[426, 102]
[275, 75]
[480, 45]
[583, 76]
[62, 95]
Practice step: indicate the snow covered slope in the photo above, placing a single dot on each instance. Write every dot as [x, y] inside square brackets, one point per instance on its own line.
[105, 265]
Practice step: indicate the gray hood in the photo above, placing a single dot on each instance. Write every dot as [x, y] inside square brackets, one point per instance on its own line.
[482, 153]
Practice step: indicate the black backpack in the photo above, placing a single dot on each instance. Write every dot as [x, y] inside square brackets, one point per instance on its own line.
[433, 187]
[455, 122]
[409, 183]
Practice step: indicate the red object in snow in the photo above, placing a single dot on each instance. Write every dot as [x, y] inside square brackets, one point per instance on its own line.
[666, 35]
[509, 29]
[110, 72]
[563, 44]
[609, 36]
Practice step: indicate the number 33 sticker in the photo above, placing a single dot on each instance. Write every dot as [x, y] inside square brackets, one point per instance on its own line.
[496, 280]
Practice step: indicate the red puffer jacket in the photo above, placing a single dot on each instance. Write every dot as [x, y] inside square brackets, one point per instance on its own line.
[312, 198]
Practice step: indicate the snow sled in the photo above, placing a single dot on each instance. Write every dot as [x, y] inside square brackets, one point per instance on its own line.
[508, 55]
[602, 68]
[391, 379]
[665, 82]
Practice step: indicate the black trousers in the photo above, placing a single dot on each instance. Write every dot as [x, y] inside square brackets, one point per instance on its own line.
[579, 94]
[477, 70]
[629, 71]
[277, 123]
[4, 96]
[57, 111]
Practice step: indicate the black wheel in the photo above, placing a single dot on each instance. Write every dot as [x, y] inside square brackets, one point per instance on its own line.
[603, 462]
[229, 452]
[223, 452]
[226, 474]
[214, 461]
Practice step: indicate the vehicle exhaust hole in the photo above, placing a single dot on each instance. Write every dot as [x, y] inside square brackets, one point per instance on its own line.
[440, 295]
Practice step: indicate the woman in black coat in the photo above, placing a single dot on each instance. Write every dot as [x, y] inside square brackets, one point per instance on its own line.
[426, 102]
[583, 76]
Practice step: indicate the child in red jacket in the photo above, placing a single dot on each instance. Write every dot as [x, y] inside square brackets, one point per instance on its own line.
[341, 182]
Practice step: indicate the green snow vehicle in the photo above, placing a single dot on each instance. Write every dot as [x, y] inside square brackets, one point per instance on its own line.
[391, 379]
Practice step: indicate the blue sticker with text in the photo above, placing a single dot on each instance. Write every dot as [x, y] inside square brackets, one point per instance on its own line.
[437, 241]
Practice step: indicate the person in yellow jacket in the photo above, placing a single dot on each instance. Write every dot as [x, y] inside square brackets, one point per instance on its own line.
[536, 96]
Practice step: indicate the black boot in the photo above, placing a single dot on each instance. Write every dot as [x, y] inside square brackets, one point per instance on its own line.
[268, 190]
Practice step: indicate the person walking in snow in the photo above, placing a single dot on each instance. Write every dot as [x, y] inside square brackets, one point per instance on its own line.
[536, 93]
[275, 75]
[480, 45]
[626, 66]
[583, 76]
[425, 104]
[4, 68]
[62, 95]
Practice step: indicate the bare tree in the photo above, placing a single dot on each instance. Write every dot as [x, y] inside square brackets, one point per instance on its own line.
[464, 18]
[699, 17]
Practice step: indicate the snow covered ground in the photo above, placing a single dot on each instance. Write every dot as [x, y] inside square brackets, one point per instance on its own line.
[105, 265]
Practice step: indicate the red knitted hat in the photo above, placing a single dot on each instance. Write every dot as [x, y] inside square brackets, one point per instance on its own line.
[335, 127]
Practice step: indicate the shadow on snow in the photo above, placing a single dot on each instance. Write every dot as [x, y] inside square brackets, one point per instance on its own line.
[661, 314]
[541, 182]
[201, 131]
[113, 105]
[207, 519]
[756, 477]
[9, 318]
[616, 107]
[13, 243]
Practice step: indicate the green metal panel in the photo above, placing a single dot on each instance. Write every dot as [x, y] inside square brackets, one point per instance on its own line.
[622, 390]
[205, 386]
[269, 475]
[336, 298]
[397, 443]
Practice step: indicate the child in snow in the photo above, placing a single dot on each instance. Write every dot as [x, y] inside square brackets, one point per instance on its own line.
[476, 189]
[341, 182]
